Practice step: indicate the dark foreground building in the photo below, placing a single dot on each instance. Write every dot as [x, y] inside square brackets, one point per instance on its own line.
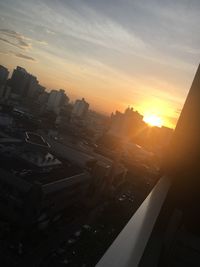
[35, 186]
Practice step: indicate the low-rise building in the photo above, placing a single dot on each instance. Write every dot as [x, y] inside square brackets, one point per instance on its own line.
[34, 184]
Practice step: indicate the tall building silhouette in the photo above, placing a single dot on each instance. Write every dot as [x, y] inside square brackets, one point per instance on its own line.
[19, 81]
[32, 86]
[3, 78]
[24, 84]
[3, 75]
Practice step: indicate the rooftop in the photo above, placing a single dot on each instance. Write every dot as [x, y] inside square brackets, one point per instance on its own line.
[36, 139]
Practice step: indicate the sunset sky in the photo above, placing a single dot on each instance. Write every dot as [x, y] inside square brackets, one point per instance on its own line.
[114, 53]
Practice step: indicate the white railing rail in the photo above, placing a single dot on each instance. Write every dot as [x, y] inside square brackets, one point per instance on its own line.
[129, 246]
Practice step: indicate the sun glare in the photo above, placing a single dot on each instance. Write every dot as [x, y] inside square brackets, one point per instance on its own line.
[153, 120]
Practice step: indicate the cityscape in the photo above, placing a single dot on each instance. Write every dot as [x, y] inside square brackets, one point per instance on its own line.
[73, 165]
[99, 135]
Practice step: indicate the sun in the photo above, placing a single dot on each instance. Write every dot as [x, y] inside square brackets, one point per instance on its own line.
[153, 120]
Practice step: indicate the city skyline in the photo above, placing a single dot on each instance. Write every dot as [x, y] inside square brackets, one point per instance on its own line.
[91, 49]
[22, 84]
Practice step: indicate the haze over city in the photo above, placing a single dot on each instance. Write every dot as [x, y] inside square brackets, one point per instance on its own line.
[113, 53]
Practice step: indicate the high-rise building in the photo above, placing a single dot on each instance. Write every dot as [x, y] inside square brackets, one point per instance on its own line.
[3, 75]
[19, 81]
[24, 84]
[3, 78]
[57, 99]
[40, 90]
[43, 98]
[32, 87]
[80, 108]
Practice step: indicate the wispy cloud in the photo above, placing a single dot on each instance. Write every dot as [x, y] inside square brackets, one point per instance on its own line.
[20, 55]
[41, 42]
[16, 54]
[4, 52]
[50, 32]
[147, 47]
[8, 42]
[14, 38]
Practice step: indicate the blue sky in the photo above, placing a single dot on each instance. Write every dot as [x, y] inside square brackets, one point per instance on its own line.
[114, 53]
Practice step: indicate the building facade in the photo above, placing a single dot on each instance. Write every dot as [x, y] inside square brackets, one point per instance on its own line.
[19, 81]
[3, 78]
[80, 108]
[56, 100]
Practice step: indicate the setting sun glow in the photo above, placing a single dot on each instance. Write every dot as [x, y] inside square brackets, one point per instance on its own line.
[153, 120]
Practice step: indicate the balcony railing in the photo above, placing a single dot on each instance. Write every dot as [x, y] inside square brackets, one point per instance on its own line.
[129, 246]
